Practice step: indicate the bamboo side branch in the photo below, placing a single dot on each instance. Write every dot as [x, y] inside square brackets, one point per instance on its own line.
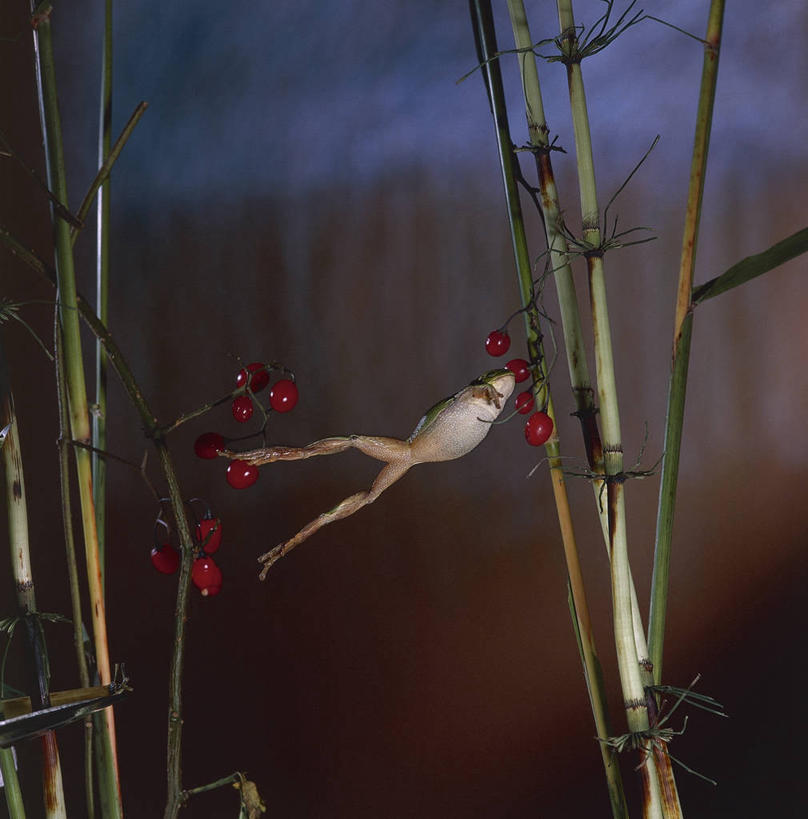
[77, 394]
[683, 326]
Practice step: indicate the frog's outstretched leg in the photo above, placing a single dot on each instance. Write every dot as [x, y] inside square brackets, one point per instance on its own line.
[383, 449]
[388, 476]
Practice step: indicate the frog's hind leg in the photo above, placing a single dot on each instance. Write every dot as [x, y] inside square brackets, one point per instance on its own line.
[388, 476]
[383, 449]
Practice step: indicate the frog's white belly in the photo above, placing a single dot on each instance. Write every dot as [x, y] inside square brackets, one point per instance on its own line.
[457, 430]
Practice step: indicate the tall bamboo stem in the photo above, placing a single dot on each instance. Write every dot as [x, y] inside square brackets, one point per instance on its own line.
[660, 797]
[486, 38]
[77, 394]
[682, 331]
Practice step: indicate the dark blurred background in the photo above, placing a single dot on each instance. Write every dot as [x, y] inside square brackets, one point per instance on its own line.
[311, 185]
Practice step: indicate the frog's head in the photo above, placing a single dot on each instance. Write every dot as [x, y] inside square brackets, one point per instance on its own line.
[503, 381]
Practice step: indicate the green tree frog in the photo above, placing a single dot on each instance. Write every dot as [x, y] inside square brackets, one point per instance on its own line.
[449, 430]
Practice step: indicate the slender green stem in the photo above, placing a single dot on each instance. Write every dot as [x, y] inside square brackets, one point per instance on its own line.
[72, 563]
[11, 785]
[486, 39]
[683, 325]
[102, 176]
[76, 388]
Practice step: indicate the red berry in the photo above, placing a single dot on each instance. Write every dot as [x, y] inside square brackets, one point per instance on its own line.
[524, 402]
[206, 575]
[208, 445]
[240, 474]
[520, 369]
[165, 558]
[259, 377]
[497, 343]
[283, 395]
[242, 408]
[205, 526]
[538, 428]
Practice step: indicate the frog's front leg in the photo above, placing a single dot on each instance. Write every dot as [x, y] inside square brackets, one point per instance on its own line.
[382, 449]
[388, 476]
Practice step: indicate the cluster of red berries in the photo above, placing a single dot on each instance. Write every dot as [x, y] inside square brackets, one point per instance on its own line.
[282, 398]
[205, 574]
[539, 426]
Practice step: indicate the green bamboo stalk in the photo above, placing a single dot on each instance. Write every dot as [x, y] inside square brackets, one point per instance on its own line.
[683, 327]
[586, 410]
[486, 38]
[77, 394]
[11, 785]
[660, 798]
[72, 563]
[53, 791]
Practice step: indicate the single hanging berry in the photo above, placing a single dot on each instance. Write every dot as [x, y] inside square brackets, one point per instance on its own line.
[240, 474]
[283, 395]
[497, 343]
[259, 377]
[242, 408]
[538, 428]
[165, 558]
[525, 402]
[203, 528]
[206, 576]
[520, 369]
[208, 445]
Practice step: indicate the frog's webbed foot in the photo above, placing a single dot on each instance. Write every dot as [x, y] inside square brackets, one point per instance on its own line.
[388, 476]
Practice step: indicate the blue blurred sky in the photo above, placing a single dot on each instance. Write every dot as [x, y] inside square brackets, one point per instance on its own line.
[250, 97]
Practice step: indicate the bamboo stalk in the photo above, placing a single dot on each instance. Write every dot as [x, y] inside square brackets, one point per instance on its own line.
[72, 564]
[52, 790]
[486, 37]
[11, 785]
[658, 797]
[683, 327]
[77, 394]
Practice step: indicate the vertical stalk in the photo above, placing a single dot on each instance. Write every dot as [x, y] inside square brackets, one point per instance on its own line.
[486, 38]
[102, 288]
[72, 564]
[682, 331]
[660, 799]
[11, 785]
[52, 790]
[77, 394]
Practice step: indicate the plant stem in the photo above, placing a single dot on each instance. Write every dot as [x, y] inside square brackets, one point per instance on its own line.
[72, 564]
[11, 785]
[683, 327]
[53, 792]
[99, 420]
[658, 800]
[77, 394]
[486, 38]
